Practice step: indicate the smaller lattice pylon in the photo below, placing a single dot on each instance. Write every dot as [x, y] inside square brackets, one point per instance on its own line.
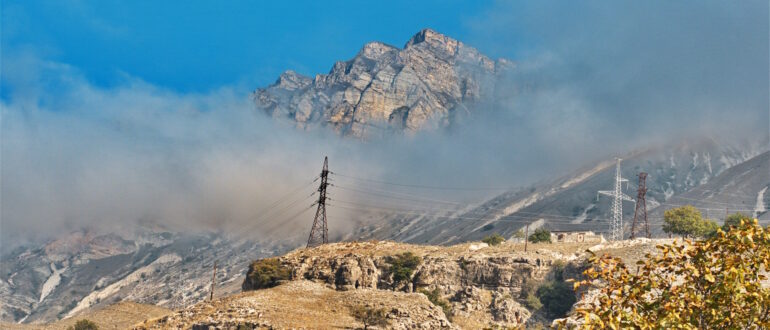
[640, 214]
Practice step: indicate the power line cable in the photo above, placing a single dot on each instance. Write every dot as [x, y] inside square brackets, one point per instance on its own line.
[422, 186]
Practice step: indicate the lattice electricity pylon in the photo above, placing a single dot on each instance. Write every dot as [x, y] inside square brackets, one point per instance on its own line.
[616, 225]
[319, 233]
[640, 213]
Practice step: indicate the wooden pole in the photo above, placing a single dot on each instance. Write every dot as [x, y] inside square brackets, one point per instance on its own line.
[526, 238]
[213, 280]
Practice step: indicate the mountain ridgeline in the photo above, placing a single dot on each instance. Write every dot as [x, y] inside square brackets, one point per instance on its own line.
[426, 85]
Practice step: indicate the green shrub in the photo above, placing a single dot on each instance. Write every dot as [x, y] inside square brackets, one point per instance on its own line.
[734, 220]
[557, 298]
[370, 316]
[435, 298]
[403, 265]
[532, 302]
[540, 235]
[528, 289]
[688, 222]
[84, 325]
[265, 273]
[494, 239]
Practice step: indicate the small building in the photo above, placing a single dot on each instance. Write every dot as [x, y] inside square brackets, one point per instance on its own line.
[576, 237]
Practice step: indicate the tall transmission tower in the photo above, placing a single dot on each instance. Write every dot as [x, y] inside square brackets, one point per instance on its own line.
[616, 226]
[319, 233]
[640, 213]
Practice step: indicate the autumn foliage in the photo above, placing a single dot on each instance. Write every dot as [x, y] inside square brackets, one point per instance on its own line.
[714, 283]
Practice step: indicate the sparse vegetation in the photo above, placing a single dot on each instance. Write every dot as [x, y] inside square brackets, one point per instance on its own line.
[402, 266]
[265, 273]
[435, 298]
[540, 235]
[532, 302]
[494, 239]
[370, 316]
[84, 325]
[488, 227]
[530, 298]
[688, 222]
[714, 283]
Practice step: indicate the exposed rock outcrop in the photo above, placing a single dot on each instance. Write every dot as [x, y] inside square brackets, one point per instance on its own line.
[383, 88]
[483, 285]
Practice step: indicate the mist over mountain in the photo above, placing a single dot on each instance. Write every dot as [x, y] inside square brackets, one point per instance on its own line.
[442, 140]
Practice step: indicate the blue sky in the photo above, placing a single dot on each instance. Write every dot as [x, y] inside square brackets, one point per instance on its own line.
[195, 46]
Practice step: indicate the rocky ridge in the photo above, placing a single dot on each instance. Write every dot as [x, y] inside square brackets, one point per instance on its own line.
[433, 79]
[482, 284]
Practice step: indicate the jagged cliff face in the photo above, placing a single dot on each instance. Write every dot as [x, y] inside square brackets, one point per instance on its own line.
[383, 88]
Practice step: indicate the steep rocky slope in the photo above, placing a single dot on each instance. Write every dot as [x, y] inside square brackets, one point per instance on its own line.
[570, 202]
[383, 88]
[84, 270]
[741, 188]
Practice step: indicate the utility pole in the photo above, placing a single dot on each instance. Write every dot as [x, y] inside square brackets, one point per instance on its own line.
[526, 238]
[640, 213]
[213, 281]
[319, 233]
[616, 225]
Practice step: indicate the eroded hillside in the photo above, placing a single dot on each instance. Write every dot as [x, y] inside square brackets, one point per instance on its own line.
[478, 285]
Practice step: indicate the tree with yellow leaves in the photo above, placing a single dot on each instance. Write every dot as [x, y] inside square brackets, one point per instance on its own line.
[716, 283]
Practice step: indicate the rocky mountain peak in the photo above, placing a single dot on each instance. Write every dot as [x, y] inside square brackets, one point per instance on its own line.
[431, 37]
[376, 50]
[386, 89]
[291, 80]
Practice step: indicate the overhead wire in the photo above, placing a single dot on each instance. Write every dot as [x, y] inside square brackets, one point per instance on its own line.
[534, 216]
[502, 219]
[402, 196]
[270, 210]
[435, 208]
[421, 186]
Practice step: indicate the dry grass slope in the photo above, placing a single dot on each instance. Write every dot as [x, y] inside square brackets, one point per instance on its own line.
[304, 304]
[122, 315]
